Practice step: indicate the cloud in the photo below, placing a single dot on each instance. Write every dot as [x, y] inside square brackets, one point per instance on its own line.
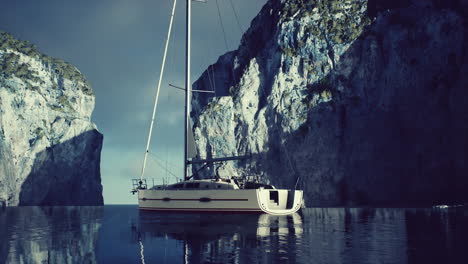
[124, 12]
[143, 117]
[173, 118]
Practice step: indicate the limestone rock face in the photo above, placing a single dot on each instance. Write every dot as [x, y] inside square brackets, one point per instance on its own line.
[358, 102]
[49, 148]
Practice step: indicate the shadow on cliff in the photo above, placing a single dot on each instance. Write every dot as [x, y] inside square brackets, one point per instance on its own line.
[397, 133]
[396, 129]
[66, 174]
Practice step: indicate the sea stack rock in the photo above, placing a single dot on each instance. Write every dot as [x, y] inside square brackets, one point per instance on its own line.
[358, 102]
[49, 148]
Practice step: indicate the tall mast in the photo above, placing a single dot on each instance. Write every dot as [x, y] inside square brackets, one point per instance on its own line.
[158, 89]
[188, 88]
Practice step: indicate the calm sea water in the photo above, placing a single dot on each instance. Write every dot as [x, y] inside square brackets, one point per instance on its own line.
[122, 234]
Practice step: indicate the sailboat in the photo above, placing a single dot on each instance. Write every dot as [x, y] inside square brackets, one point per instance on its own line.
[208, 195]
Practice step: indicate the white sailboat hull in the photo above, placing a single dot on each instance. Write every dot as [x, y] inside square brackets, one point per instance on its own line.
[271, 201]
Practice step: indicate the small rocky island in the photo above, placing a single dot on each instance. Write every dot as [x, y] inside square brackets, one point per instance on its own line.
[362, 102]
[49, 148]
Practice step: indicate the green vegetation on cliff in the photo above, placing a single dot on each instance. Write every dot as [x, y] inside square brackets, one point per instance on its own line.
[10, 63]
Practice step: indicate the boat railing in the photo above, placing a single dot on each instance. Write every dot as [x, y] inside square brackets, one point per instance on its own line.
[138, 184]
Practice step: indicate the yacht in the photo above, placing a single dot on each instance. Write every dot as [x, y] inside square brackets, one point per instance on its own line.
[208, 195]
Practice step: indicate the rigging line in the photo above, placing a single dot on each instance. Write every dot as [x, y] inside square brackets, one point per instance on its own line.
[162, 167]
[171, 68]
[225, 39]
[213, 78]
[167, 157]
[212, 66]
[167, 170]
[237, 17]
[158, 88]
[209, 78]
[168, 161]
[208, 73]
[222, 26]
[162, 160]
[173, 52]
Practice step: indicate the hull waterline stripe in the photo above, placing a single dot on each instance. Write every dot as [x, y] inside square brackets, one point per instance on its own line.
[150, 199]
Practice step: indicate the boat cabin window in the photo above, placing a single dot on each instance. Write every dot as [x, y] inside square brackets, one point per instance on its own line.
[192, 185]
[274, 197]
[179, 185]
[254, 185]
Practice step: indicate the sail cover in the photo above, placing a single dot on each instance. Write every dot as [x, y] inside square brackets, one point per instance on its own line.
[191, 148]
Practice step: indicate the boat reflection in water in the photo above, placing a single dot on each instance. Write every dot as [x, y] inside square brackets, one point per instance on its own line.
[220, 238]
[121, 234]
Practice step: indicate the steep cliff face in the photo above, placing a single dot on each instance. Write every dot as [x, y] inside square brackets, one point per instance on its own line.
[360, 102]
[49, 148]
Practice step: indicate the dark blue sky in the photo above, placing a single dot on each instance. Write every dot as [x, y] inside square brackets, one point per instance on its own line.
[118, 46]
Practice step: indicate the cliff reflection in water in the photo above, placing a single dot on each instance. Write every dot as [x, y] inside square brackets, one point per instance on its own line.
[49, 234]
[123, 234]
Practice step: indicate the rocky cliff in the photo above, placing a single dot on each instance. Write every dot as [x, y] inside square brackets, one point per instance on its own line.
[358, 101]
[49, 148]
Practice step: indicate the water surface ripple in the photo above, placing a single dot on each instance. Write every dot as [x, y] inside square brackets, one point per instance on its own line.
[122, 234]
